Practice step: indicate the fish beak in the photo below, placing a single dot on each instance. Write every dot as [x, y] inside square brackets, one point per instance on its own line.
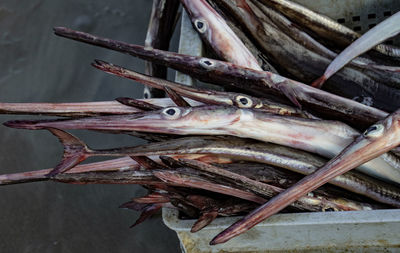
[170, 120]
[83, 109]
[204, 96]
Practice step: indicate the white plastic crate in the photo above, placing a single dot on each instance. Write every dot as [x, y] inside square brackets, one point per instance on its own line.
[361, 231]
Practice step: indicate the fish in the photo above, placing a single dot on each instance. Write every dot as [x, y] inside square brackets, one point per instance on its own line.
[324, 26]
[213, 29]
[376, 140]
[310, 43]
[113, 165]
[326, 138]
[204, 96]
[230, 149]
[388, 28]
[162, 23]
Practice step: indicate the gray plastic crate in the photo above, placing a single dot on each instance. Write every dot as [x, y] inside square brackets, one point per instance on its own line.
[364, 231]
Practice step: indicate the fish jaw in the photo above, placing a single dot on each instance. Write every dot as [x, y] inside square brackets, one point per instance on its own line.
[171, 120]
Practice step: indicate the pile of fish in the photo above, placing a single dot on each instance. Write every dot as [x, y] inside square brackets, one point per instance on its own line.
[271, 140]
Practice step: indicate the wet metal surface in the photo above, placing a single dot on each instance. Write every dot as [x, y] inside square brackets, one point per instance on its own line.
[37, 66]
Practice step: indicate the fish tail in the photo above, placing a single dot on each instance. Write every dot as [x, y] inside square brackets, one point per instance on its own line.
[75, 151]
[319, 82]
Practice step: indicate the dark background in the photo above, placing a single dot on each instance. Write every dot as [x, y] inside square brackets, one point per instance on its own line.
[37, 66]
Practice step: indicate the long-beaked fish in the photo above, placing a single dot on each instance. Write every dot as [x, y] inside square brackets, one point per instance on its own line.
[310, 43]
[376, 140]
[215, 32]
[211, 97]
[323, 25]
[119, 164]
[388, 28]
[326, 138]
[159, 32]
[226, 149]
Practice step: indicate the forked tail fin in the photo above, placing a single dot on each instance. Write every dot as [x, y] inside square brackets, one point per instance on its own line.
[147, 212]
[204, 220]
[75, 151]
[319, 82]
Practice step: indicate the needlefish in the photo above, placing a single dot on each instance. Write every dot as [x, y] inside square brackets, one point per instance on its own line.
[376, 140]
[215, 31]
[326, 138]
[210, 97]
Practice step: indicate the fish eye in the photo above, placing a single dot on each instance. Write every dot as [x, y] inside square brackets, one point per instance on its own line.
[206, 63]
[146, 93]
[374, 131]
[171, 113]
[200, 25]
[244, 102]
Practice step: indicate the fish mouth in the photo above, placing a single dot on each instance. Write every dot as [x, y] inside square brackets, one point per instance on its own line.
[91, 123]
[170, 120]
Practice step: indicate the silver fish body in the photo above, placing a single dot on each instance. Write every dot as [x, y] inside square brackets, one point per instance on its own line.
[215, 31]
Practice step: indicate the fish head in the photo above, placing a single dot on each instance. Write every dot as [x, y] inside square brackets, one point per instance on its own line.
[186, 120]
[376, 140]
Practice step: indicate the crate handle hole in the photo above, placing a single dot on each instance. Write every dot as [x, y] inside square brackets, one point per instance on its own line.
[357, 28]
[356, 18]
[387, 13]
[372, 16]
[341, 20]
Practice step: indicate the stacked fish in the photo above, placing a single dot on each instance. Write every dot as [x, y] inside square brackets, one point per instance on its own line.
[242, 150]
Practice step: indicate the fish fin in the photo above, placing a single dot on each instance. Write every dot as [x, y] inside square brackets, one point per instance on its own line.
[243, 5]
[75, 151]
[152, 198]
[147, 212]
[174, 96]
[204, 220]
[289, 92]
[319, 82]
